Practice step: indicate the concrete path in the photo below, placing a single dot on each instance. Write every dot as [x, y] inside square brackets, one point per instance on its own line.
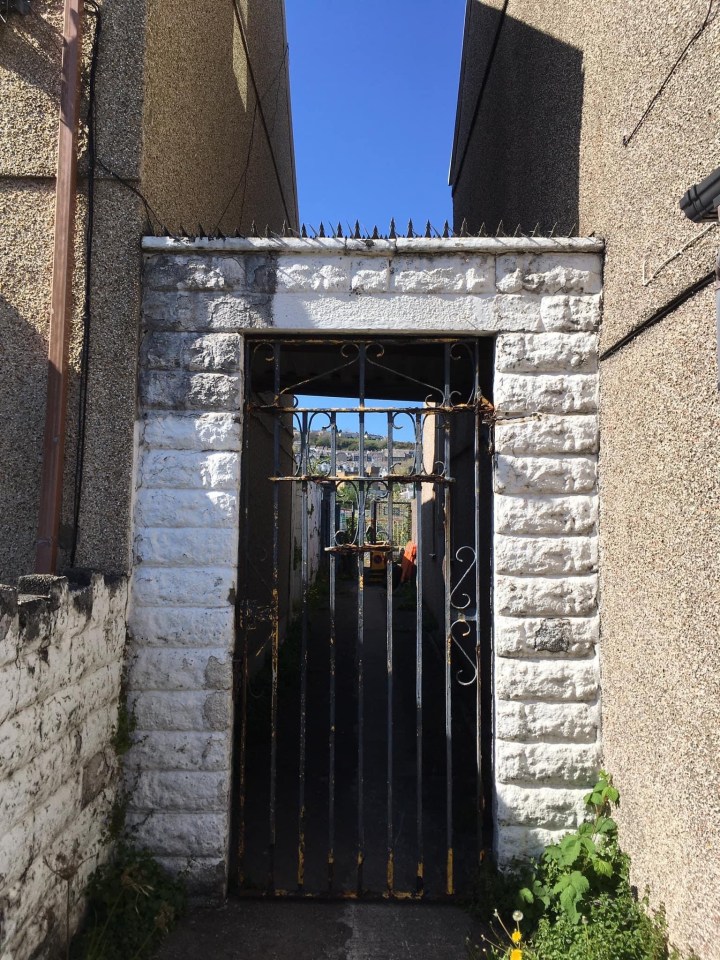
[260, 930]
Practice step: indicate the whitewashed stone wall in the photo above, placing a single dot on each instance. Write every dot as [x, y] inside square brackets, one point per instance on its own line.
[540, 298]
[61, 656]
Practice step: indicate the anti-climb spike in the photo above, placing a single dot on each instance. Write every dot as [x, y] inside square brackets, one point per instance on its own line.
[303, 232]
[321, 231]
[392, 235]
[357, 230]
[446, 230]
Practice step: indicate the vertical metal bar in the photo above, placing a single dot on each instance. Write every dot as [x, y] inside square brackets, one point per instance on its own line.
[331, 745]
[478, 680]
[361, 627]
[304, 537]
[420, 871]
[447, 576]
[53, 462]
[277, 415]
[244, 626]
[389, 634]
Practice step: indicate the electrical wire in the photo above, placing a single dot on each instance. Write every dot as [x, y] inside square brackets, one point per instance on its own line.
[261, 112]
[687, 294]
[661, 89]
[481, 95]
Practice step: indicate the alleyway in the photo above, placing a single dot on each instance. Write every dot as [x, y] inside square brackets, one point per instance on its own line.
[254, 930]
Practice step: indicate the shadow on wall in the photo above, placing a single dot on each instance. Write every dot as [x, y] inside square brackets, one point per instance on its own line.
[23, 375]
[523, 157]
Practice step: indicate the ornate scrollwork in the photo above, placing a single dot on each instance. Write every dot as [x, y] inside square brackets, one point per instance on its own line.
[461, 600]
[465, 626]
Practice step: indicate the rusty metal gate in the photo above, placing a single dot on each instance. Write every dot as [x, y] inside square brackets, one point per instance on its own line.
[362, 681]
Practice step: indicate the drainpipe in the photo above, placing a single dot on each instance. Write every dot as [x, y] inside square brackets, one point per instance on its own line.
[51, 486]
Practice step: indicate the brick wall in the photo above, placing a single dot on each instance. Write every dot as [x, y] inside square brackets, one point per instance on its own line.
[540, 299]
[61, 656]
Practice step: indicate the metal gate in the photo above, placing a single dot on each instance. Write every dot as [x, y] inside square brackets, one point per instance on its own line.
[360, 711]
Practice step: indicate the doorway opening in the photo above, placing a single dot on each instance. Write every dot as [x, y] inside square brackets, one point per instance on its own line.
[363, 686]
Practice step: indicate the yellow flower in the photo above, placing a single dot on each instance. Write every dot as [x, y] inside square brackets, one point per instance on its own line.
[516, 936]
[516, 955]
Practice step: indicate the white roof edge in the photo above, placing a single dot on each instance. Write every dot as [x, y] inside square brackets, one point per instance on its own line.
[416, 245]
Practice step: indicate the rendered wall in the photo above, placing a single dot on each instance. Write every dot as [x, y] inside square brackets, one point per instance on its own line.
[542, 302]
[174, 118]
[61, 655]
[659, 408]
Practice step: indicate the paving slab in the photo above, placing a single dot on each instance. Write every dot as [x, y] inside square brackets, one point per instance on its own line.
[260, 930]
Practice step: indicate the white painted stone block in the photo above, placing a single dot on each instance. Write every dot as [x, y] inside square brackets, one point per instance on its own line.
[553, 680]
[184, 750]
[299, 276]
[181, 834]
[548, 722]
[547, 807]
[571, 313]
[565, 353]
[212, 352]
[442, 274]
[545, 475]
[184, 586]
[439, 313]
[544, 597]
[558, 764]
[549, 273]
[160, 668]
[194, 271]
[545, 555]
[517, 394]
[187, 547]
[546, 516]
[518, 844]
[182, 790]
[176, 431]
[182, 710]
[369, 275]
[185, 508]
[193, 627]
[535, 637]
[545, 433]
[188, 468]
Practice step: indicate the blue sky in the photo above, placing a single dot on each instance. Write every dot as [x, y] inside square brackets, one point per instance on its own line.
[375, 423]
[374, 90]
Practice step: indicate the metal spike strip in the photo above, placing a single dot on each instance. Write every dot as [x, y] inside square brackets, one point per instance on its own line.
[392, 235]
[303, 232]
[356, 235]
[410, 231]
[321, 231]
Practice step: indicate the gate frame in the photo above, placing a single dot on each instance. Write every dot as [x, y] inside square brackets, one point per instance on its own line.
[540, 300]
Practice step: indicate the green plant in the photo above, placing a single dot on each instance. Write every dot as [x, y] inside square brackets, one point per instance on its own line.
[577, 899]
[584, 864]
[133, 903]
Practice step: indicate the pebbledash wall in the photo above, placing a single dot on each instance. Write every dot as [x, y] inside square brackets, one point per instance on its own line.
[541, 300]
[61, 657]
